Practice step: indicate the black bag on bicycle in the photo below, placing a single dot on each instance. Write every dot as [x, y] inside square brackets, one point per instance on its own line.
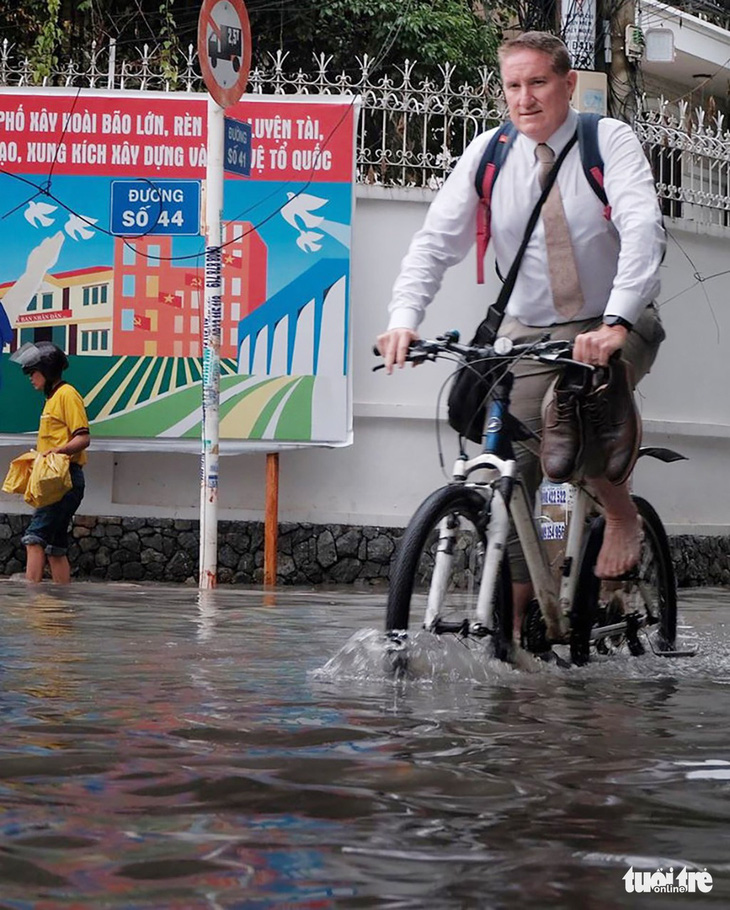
[469, 392]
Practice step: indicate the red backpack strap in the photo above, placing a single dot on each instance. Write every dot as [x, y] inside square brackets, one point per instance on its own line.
[491, 161]
[484, 218]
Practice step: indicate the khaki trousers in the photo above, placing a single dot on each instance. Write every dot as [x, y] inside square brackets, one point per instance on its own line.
[533, 388]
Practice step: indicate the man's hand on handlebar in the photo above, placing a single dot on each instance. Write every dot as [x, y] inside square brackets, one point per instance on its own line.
[393, 345]
[597, 346]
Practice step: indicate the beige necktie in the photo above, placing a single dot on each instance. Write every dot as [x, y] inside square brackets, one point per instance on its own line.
[567, 293]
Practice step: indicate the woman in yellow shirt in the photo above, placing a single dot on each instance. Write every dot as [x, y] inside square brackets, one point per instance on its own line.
[64, 428]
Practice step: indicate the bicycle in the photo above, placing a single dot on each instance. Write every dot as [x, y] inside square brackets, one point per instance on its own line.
[453, 549]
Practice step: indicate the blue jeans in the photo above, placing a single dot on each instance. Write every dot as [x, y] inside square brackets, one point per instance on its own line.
[49, 525]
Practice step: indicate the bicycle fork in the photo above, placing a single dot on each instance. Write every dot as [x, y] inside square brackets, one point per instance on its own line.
[497, 531]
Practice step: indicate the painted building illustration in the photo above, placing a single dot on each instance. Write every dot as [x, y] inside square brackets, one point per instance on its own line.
[73, 309]
[160, 298]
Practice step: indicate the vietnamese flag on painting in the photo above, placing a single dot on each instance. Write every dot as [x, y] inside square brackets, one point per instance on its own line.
[232, 262]
[171, 299]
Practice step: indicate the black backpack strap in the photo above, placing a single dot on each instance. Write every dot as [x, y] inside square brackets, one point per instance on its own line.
[492, 158]
[590, 156]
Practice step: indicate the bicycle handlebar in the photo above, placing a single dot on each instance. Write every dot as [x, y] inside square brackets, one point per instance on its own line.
[503, 350]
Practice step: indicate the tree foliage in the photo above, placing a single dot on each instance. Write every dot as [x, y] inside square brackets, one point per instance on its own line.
[432, 32]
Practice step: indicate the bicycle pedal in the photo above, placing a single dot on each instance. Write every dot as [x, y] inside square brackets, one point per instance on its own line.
[631, 575]
[633, 624]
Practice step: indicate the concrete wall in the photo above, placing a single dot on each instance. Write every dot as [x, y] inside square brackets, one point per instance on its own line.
[393, 462]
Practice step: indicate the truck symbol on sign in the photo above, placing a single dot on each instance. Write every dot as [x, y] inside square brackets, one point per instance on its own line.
[225, 44]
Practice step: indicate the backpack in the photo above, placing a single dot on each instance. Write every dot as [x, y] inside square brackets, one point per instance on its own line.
[493, 158]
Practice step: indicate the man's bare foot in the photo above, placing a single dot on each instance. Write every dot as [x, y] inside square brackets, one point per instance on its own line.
[621, 547]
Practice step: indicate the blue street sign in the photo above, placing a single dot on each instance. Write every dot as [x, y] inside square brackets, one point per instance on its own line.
[155, 207]
[237, 147]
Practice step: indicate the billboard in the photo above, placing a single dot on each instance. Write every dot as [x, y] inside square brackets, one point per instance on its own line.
[101, 253]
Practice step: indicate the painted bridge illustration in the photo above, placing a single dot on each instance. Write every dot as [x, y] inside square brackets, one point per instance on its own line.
[299, 328]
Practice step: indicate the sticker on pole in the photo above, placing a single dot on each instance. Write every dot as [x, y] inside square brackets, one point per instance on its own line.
[224, 49]
[237, 147]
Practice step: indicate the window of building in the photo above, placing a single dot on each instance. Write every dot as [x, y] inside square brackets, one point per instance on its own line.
[127, 320]
[128, 286]
[129, 256]
[94, 294]
[95, 340]
[33, 305]
[195, 324]
[195, 349]
[235, 311]
[194, 300]
[178, 325]
[152, 286]
[47, 301]
[236, 287]
[153, 255]
[234, 337]
[177, 349]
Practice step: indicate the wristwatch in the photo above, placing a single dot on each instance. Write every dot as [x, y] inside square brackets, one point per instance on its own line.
[618, 320]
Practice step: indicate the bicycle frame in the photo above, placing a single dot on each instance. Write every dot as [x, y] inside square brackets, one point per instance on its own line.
[508, 498]
[555, 598]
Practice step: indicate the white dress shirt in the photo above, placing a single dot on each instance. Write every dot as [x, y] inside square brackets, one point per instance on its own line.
[618, 260]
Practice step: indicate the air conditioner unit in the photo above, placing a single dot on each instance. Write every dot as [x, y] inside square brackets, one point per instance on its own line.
[659, 45]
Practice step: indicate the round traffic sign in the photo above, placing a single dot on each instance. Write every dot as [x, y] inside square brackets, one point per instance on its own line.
[224, 49]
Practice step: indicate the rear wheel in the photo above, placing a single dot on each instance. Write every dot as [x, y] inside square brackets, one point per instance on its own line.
[647, 599]
[442, 551]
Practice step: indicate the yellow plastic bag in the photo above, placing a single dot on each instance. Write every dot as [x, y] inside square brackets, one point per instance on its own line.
[16, 480]
[49, 481]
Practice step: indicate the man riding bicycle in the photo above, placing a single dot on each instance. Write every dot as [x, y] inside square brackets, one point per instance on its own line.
[583, 278]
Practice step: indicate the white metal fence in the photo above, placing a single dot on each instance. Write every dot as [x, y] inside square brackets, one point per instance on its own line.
[413, 128]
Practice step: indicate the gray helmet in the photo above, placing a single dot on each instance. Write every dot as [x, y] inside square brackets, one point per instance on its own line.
[45, 357]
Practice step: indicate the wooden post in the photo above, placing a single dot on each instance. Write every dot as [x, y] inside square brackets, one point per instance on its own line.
[271, 518]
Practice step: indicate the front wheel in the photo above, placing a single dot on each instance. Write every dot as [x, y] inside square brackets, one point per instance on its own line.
[647, 599]
[441, 556]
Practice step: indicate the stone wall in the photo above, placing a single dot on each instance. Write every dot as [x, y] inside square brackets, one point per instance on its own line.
[166, 549]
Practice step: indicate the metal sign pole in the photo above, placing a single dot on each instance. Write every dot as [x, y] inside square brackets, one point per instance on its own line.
[224, 51]
[211, 348]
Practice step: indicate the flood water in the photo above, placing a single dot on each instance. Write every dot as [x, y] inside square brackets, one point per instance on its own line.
[164, 748]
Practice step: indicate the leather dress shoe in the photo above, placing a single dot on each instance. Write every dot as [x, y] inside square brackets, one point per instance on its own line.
[612, 422]
[562, 431]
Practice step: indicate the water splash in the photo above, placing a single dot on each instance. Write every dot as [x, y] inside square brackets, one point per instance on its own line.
[424, 659]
